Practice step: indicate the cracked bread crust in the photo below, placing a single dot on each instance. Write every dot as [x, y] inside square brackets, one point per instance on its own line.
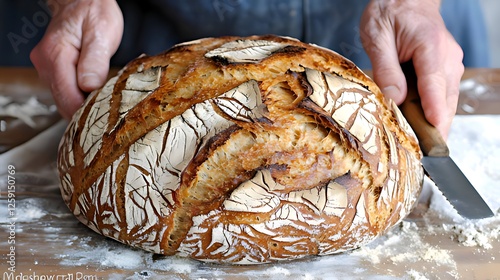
[241, 150]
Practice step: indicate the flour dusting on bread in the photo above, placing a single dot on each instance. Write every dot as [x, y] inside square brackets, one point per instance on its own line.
[240, 150]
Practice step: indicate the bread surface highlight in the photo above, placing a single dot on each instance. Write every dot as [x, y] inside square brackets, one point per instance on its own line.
[240, 150]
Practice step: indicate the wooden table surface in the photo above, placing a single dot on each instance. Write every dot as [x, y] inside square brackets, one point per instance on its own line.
[51, 244]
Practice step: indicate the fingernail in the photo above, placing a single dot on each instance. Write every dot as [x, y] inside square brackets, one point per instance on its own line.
[391, 92]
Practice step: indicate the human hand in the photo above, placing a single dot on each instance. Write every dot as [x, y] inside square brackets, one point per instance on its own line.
[73, 55]
[393, 32]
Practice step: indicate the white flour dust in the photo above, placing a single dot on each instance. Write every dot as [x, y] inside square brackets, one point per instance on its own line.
[26, 210]
[102, 254]
[476, 234]
[405, 246]
[24, 111]
[474, 143]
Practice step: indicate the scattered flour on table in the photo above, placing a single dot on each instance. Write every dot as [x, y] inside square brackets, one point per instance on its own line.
[279, 270]
[415, 249]
[103, 255]
[474, 143]
[476, 234]
[109, 254]
[26, 210]
[404, 246]
[29, 210]
[24, 111]
[471, 233]
[415, 275]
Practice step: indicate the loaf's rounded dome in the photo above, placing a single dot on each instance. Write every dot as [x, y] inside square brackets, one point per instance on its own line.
[240, 150]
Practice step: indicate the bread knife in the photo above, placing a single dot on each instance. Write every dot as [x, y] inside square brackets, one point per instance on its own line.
[438, 165]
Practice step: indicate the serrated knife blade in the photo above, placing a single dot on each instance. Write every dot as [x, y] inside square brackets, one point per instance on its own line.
[437, 163]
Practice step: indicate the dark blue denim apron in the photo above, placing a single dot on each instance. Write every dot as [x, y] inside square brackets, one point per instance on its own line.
[154, 25]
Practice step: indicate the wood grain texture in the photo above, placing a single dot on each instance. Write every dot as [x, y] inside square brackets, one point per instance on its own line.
[430, 139]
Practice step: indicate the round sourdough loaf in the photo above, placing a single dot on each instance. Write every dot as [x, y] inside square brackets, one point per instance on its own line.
[240, 150]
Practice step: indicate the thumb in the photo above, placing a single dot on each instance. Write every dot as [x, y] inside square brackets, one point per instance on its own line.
[387, 72]
[93, 64]
[99, 43]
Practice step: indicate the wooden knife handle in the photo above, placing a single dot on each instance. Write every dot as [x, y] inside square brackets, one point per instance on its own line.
[431, 142]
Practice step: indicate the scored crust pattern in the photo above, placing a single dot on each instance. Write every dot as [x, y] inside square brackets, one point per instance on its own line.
[241, 150]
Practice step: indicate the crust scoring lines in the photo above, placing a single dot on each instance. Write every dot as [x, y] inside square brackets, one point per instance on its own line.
[243, 103]
[329, 92]
[164, 152]
[155, 161]
[137, 87]
[245, 51]
[262, 194]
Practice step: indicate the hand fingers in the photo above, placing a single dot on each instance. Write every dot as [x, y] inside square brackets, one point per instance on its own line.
[101, 38]
[455, 72]
[379, 42]
[395, 32]
[56, 64]
[439, 68]
[79, 34]
[93, 63]
[388, 75]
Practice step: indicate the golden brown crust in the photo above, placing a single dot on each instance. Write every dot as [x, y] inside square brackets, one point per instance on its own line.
[242, 150]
